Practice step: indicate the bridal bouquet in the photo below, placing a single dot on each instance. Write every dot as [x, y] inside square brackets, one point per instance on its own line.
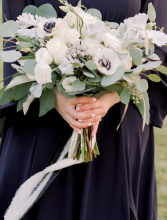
[80, 55]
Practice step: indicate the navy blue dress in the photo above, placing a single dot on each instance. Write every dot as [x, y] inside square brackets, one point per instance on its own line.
[121, 183]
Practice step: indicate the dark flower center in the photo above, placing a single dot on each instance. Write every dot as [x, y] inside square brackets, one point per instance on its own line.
[107, 64]
[48, 26]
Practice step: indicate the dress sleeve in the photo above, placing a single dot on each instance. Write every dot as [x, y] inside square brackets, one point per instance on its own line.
[158, 91]
[11, 9]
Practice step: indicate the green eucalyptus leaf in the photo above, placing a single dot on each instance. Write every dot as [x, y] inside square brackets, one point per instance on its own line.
[95, 12]
[7, 96]
[78, 85]
[162, 69]
[20, 103]
[26, 44]
[29, 66]
[136, 56]
[125, 96]
[95, 80]
[154, 78]
[91, 65]
[89, 74]
[114, 25]
[112, 88]
[47, 102]
[10, 56]
[142, 85]
[79, 92]
[2, 91]
[9, 29]
[148, 26]
[21, 90]
[147, 66]
[109, 80]
[151, 12]
[27, 58]
[30, 9]
[59, 87]
[46, 11]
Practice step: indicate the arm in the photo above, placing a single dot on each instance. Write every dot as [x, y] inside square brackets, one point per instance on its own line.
[158, 91]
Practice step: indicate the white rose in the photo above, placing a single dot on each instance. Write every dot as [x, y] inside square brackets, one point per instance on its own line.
[43, 54]
[71, 19]
[57, 50]
[112, 42]
[61, 31]
[46, 27]
[127, 62]
[90, 43]
[43, 73]
[67, 84]
[111, 63]
[73, 36]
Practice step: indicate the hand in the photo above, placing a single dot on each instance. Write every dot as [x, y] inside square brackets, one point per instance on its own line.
[100, 108]
[67, 109]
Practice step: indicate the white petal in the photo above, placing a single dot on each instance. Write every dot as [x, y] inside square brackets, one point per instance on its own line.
[157, 37]
[27, 32]
[17, 81]
[36, 90]
[66, 67]
[27, 20]
[26, 104]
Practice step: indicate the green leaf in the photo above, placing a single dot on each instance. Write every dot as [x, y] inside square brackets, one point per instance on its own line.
[151, 12]
[21, 90]
[47, 102]
[27, 58]
[46, 11]
[142, 85]
[10, 56]
[26, 44]
[114, 25]
[148, 26]
[78, 85]
[89, 74]
[95, 80]
[30, 9]
[109, 80]
[75, 65]
[123, 116]
[91, 65]
[79, 92]
[79, 4]
[59, 87]
[9, 29]
[2, 91]
[136, 56]
[7, 97]
[20, 103]
[162, 69]
[147, 66]
[51, 85]
[125, 96]
[154, 78]
[113, 88]
[94, 12]
[29, 66]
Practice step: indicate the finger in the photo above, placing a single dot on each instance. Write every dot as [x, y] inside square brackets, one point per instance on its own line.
[88, 106]
[77, 124]
[95, 127]
[82, 100]
[79, 131]
[81, 115]
[92, 120]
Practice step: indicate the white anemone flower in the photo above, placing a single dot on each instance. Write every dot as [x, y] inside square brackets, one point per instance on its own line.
[67, 84]
[46, 27]
[107, 61]
[27, 20]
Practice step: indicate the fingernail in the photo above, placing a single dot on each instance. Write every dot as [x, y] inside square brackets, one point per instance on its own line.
[79, 132]
[80, 120]
[94, 99]
[93, 115]
[89, 124]
[77, 108]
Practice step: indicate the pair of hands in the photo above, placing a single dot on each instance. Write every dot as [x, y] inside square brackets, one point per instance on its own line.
[82, 112]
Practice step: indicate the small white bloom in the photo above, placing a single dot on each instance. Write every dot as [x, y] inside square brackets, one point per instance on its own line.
[90, 43]
[66, 67]
[111, 63]
[157, 37]
[112, 42]
[43, 54]
[43, 73]
[127, 62]
[61, 31]
[73, 36]
[67, 84]
[57, 50]
[36, 90]
[27, 20]
[46, 27]
[27, 32]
